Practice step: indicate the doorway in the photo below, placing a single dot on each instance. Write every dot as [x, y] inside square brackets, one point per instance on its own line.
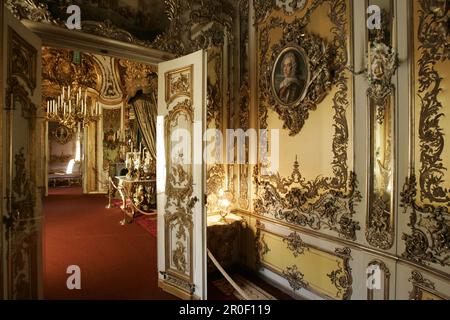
[99, 238]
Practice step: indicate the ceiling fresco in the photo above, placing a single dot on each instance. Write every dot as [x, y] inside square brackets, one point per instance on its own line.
[144, 19]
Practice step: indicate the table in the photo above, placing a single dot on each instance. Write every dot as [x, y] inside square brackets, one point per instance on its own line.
[138, 197]
[223, 239]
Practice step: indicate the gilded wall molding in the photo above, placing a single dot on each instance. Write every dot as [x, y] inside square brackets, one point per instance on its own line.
[39, 12]
[320, 67]
[328, 68]
[21, 231]
[342, 277]
[428, 242]
[16, 92]
[424, 197]
[433, 49]
[312, 204]
[386, 275]
[380, 231]
[22, 61]
[108, 30]
[186, 285]
[178, 217]
[334, 197]
[214, 103]
[423, 289]
[290, 268]
[260, 245]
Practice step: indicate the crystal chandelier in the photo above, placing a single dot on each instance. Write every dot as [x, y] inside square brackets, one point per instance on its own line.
[72, 108]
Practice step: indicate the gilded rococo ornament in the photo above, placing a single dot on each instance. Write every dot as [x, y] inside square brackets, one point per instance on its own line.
[310, 204]
[424, 195]
[298, 74]
[383, 63]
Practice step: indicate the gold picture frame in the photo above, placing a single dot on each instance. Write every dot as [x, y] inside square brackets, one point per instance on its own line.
[290, 76]
[62, 134]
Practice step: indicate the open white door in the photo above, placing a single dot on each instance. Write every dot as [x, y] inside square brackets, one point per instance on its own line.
[21, 161]
[181, 176]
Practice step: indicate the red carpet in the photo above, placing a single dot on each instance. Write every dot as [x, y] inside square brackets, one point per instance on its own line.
[117, 262]
[148, 223]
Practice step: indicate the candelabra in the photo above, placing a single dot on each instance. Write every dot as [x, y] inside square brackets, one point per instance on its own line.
[140, 165]
[71, 109]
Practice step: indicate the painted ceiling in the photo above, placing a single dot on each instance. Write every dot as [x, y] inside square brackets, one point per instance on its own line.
[144, 19]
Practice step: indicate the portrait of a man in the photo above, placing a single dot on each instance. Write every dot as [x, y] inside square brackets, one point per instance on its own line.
[290, 76]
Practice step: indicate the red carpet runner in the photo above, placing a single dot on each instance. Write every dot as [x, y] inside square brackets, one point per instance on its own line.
[117, 262]
[148, 223]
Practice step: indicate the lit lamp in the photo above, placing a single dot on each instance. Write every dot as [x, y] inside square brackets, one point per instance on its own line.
[224, 203]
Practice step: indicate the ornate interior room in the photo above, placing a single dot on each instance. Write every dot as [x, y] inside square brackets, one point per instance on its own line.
[225, 150]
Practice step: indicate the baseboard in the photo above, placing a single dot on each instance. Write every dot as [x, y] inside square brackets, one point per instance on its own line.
[177, 292]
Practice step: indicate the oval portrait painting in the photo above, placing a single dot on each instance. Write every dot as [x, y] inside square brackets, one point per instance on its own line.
[290, 76]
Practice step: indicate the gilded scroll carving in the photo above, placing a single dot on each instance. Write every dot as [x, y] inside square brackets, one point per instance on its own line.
[295, 244]
[21, 230]
[326, 64]
[342, 277]
[383, 65]
[15, 92]
[214, 85]
[184, 15]
[434, 49]
[30, 10]
[22, 59]
[295, 278]
[58, 68]
[312, 204]
[215, 181]
[325, 201]
[179, 202]
[135, 76]
[39, 12]
[179, 83]
[430, 225]
[320, 70]
[424, 197]
[289, 7]
[171, 40]
[380, 232]
[423, 289]
[263, 8]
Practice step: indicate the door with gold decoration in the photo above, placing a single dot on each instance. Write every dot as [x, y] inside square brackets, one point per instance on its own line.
[22, 132]
[181, 176]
